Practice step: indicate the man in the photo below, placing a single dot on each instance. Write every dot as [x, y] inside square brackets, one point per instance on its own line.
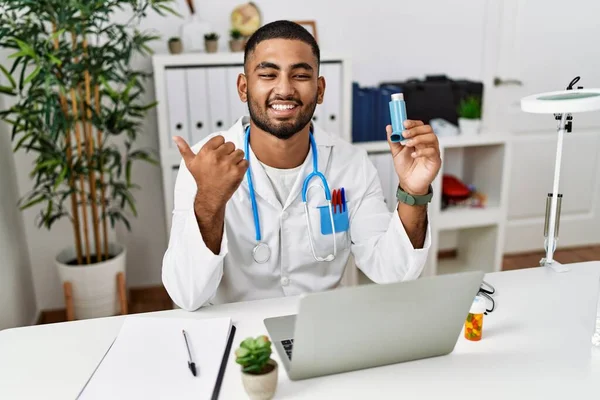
[240, 228]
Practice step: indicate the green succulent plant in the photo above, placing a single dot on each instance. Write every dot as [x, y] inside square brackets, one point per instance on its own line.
[211, 36]
[470, 108]
[235, 34]
[254, 354]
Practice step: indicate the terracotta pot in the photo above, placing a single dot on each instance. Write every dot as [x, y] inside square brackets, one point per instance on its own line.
[237, 45]
[175, 47]
[211, 46]
[261, 387]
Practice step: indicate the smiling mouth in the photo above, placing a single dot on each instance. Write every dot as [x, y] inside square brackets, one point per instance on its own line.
[284, 109]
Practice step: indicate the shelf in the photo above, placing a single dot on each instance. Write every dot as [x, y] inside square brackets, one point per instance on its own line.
[456, 218]
[476, 250]
[445, 142]
[475, 140]
[374, 147]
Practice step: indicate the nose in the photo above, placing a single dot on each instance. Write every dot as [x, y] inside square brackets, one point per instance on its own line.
[284, 87]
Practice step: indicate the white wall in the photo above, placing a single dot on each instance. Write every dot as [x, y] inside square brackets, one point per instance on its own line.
[17, 297]
[387, 40]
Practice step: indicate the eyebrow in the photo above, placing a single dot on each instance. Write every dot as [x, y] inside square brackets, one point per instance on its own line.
[266, 65]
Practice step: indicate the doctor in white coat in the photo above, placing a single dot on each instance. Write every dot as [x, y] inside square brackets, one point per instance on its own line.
[241, 229]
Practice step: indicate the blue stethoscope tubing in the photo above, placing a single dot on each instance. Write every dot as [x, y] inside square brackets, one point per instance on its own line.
[261, 252]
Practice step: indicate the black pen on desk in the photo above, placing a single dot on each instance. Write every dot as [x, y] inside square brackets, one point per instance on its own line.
[191, 363]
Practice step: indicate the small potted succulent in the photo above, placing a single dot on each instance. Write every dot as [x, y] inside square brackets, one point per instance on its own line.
[175, 45]
[259, 370]
[211, 42]
[469, 115]
[237, 41]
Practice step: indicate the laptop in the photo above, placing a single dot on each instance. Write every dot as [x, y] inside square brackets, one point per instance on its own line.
[366, 326]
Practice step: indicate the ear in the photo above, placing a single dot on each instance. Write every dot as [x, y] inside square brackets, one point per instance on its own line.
[320, 89]
[242, 87]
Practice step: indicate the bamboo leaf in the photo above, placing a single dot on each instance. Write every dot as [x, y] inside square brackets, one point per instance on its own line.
[7, 90]
[54, 59]
[32, 203]
[18, 54]
[32, 75]
[60, 178]
[13, 84]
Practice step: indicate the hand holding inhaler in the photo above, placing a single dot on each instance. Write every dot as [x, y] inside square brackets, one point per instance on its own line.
[414, 147]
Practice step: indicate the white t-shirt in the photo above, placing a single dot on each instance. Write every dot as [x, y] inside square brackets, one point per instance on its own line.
[282, 180]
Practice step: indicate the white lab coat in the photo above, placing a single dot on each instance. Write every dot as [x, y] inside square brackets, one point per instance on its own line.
[194, 276]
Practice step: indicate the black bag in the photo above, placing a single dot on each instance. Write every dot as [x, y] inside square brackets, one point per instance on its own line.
[436, 97]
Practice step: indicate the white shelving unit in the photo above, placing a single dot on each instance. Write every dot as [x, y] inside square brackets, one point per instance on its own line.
[474, 235]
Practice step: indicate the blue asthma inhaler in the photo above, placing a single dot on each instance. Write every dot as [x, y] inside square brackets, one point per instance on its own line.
[398, 116]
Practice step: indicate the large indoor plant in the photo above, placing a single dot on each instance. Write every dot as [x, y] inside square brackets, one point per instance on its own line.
[77, 108]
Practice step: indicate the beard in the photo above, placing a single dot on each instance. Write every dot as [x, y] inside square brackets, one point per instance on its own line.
[281, 129]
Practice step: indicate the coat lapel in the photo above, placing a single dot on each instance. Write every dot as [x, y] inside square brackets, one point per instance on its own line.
[324, 145]
[260, 181]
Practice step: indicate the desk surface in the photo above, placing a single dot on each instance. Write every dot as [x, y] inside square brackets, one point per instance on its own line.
[535, 344]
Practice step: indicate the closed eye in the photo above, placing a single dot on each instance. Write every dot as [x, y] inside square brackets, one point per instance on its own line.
[267, 76]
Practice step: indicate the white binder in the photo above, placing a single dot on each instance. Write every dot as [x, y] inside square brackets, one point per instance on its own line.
[237, 107]
[177, 106]
[197, 98]
[332, 118]
[217, 92]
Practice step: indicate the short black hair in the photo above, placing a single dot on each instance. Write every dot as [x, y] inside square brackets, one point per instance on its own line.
[282, 29]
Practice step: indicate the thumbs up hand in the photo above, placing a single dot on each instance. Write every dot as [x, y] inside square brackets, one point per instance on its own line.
[218, 170]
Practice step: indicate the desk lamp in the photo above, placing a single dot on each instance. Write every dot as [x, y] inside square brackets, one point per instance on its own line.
[562, 104]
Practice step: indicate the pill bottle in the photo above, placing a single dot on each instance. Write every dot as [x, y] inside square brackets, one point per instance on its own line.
[398, 116]
[474, 322]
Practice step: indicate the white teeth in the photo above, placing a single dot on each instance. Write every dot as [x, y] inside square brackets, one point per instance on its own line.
[281, 107]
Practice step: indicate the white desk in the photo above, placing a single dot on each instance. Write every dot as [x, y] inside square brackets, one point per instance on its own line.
[535, 345]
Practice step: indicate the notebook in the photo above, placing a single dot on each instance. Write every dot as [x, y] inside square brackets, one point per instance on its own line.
[149, 360]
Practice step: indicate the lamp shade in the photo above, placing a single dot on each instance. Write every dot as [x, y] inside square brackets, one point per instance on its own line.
[562, 101]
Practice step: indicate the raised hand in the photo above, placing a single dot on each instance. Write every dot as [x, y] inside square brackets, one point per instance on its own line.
[218, 170]
[417, 161]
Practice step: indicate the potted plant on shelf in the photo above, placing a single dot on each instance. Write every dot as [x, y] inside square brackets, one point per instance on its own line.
[259, 370]
[469, 115]
[211, 42]
[175, 45]
[77, 107]
[237, 41]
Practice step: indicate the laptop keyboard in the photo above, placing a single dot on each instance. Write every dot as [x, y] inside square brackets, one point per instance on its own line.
[288, 344]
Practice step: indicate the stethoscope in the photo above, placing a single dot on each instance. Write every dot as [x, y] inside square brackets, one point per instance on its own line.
[262, 252]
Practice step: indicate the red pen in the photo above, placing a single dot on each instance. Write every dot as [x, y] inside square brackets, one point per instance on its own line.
[334, 200]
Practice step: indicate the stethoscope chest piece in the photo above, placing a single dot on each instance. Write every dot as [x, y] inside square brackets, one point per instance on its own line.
[261, 253]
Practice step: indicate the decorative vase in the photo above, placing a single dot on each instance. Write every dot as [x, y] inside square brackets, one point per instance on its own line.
[175, 46]
[236, 45]
[95, 290]
[211, 46]
[262, 386]
[469, 126]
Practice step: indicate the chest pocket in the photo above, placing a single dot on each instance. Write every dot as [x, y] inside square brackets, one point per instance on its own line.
[322, 233]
